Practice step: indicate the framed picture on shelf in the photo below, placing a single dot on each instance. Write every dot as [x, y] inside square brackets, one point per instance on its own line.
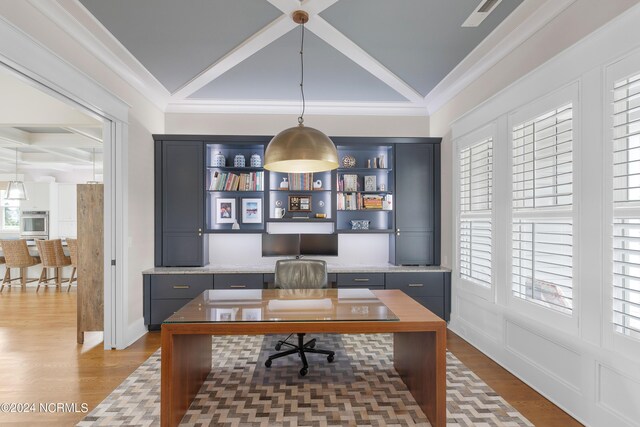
[251, 211]
[225, 211]
[370, 183]
[300, 203]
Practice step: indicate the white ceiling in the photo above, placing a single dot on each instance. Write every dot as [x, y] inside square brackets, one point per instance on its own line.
[244, 53]
[49, 135]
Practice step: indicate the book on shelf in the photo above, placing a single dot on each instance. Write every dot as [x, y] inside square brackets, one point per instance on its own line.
[229, 181]
[357, 201]
[300, 181]
[348, 183]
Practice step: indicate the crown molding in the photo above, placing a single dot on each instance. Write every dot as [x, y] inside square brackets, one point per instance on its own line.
[73, 18]
[519, 26]
[293, 107]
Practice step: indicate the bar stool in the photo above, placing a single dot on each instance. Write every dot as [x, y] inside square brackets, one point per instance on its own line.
[52, 256]
[72, 244]
[16, 255]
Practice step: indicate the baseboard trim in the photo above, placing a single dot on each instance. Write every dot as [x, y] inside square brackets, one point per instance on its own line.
[135, 331]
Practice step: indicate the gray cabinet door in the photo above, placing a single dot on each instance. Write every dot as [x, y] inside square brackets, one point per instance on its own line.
[182, 203]
[416, 172]
[414, 187]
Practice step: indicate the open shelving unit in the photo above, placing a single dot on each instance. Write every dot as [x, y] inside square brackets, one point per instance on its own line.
[355, 185]
[218, 198]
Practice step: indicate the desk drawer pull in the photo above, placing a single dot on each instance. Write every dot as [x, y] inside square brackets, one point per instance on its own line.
[181, 286]
[238, 286]
[360, 280]
[416, 285]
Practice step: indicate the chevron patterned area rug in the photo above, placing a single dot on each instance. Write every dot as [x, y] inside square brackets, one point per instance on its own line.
[360, 388]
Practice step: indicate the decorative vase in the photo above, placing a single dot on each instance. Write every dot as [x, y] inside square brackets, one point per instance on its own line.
[219, 161]
[284, 185]
[348, 161]
[256, 161]
[238, 161]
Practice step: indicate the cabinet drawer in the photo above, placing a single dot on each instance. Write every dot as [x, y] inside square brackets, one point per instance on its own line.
[237, 281]
[434, 304]
[417, 284]
[269, 278]
[178, 286]
[363, 286]
[364, 280]
[163, 308]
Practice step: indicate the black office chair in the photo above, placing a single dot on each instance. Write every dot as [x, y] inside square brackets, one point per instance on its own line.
[300, 274]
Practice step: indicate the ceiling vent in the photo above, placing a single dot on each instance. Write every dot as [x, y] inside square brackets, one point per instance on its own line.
[481, 12]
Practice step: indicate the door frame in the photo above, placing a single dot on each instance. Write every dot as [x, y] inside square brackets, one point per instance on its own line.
[40, 67]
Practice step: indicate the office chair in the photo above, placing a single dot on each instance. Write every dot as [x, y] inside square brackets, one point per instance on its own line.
[300, 274]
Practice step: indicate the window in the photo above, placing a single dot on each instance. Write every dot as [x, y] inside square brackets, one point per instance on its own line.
[626, 204]
[476, 176]
[10, 213]
[542, 260]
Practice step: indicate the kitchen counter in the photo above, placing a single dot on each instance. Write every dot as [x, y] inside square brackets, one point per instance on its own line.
[269, 269]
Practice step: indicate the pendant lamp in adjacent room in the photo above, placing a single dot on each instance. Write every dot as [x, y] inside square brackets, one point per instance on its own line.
[15, 189]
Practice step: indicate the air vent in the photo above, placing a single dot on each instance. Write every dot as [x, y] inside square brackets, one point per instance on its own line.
[481, 12]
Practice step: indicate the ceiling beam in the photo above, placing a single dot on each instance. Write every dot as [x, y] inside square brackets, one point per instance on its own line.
[348, 48]
[253, 44]
[327, 32]
[93, 133]
[62, 140]
[19, 138]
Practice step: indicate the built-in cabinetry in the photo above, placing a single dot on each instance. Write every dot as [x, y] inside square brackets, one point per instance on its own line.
[179, 236]
[417, 227]
[208, 184]
[66, 215]
[164, 294]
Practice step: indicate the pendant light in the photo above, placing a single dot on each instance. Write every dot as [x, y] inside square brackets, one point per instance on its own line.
[15, 189]
[301, 149]
[93, 161]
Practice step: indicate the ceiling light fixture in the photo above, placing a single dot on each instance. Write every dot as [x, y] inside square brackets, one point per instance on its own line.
[93, 160]
[301, 149]
[15, 189]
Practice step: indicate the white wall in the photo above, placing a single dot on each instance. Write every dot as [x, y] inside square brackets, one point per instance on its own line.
[578, 363]
[270, 124]
[144, 119]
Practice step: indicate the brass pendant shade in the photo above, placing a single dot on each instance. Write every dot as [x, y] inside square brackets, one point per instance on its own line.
[300, 149]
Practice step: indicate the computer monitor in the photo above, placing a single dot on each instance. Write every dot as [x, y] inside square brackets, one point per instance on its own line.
[319, 244]
[280, 244]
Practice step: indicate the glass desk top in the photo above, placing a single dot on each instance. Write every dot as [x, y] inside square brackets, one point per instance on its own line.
[283, 305]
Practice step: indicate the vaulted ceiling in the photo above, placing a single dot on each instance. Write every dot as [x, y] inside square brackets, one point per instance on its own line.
[246, 51]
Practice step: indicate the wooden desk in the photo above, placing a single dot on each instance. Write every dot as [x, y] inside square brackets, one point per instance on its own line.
[419, 348]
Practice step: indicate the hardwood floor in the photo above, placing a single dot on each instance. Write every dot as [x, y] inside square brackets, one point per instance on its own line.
[40, 362]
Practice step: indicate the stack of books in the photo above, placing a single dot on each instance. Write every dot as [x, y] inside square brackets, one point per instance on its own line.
[371, 201]
[300, 181]
[228, 181]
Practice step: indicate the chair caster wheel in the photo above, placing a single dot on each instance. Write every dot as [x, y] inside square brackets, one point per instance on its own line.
[267, 363]
[304, 371]
[278, 347]
[330, 358]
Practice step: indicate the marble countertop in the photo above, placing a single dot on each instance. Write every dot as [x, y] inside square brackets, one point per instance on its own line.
[265, 269]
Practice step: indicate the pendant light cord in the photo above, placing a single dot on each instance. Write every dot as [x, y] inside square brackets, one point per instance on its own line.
[301, 118]
[16, 164]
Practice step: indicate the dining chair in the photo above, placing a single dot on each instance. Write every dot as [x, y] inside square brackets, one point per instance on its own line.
[72, 244]
[52, 256]
[300, 274]
[16, 255]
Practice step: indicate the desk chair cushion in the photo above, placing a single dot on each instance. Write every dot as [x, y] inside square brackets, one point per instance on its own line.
[301, 274]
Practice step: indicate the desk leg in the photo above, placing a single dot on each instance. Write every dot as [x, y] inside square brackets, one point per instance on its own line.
[420, 358]
[185, 364]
